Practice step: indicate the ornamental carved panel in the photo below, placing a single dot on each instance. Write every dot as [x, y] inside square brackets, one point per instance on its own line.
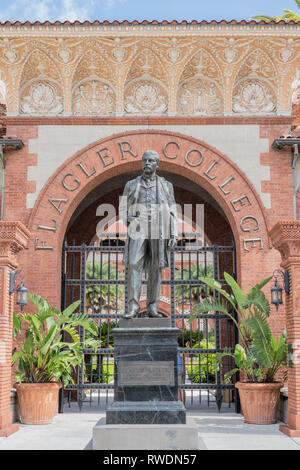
[93, 97]
[157, 70]
[254, 90]
[93, 86]
[41, 86]
[145, 97]
[200, 86]
[146, 86]
[41, 97]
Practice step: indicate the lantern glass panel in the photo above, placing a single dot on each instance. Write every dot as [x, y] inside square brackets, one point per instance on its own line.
[22, 295]
[276, 295]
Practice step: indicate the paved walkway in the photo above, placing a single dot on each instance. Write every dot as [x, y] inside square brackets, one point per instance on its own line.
[217, 431]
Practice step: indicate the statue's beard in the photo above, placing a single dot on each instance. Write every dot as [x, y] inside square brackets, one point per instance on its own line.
[148, 171]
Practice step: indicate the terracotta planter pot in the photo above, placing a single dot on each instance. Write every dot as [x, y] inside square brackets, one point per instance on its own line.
[259, 402]
[38, 402]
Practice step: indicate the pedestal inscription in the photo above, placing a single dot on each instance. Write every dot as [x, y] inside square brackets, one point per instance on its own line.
[135, 373]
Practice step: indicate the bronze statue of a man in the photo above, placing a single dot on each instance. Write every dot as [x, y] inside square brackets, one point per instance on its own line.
[148, 209]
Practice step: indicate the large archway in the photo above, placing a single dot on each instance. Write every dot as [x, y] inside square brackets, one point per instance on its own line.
[181, 156]
[67, 205]
[96, 222]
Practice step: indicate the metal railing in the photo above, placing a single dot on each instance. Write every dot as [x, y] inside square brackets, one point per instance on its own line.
[95, 275]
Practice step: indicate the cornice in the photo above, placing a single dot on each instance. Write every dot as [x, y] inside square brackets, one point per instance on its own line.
[14, 233]
[126, 28]
[19, 120]
[285, 236]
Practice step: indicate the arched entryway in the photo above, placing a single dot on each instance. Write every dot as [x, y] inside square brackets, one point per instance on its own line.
[67, 206]
[93, 272]
[119, 155]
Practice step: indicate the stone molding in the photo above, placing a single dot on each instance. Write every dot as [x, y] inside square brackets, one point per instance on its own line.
[285, 237]
[149, 69]
[14, 237]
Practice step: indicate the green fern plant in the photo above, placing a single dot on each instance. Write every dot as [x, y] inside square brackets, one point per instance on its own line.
[258, 355]
[42, 355]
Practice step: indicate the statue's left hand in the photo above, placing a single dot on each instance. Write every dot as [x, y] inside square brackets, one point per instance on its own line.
[172, 243]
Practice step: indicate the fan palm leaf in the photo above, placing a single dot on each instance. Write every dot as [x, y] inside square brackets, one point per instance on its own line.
[259, 355]
[287, 16]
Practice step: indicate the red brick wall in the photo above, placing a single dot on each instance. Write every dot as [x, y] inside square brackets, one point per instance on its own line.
[43, 268]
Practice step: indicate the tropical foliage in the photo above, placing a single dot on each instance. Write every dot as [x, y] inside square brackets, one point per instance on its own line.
[103, 295]
[259, 355]
[191, 336]
[192, 291]
[96, 367]
[102, 333]
[42, 354]
[287, 16]
[202, 368]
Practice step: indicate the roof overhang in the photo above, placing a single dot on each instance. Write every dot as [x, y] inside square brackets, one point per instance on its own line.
[279, 144]
[15, 143]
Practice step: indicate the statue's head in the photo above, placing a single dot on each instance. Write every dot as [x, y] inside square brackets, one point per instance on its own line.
[150, 161]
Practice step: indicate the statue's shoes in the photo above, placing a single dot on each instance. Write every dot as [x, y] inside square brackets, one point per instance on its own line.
[131, 314]
[154, 314]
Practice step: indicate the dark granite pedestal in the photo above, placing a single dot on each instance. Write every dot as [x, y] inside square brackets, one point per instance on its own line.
[146, 379]
[146, 413]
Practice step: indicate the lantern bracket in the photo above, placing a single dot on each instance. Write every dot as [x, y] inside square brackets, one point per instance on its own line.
[13, 275]
[285, 275]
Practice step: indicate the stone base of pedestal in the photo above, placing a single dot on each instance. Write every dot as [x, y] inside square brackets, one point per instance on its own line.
[141, 412]
[146, 436]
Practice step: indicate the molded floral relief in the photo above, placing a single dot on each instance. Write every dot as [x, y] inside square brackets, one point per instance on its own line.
[64, 52]
[41, 88]
[41, 98]
[145, 97]
[199, 96]
[93, 97]
[253, 96]
[255, 86]
[192, 73]
[145, 87]
[200, 86]
[93, 91]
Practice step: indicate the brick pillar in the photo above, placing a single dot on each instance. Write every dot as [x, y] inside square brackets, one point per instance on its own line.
[286, 238]
[13, 238]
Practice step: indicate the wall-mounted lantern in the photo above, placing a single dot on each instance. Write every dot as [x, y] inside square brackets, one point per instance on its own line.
[22, 291]
[276, 290]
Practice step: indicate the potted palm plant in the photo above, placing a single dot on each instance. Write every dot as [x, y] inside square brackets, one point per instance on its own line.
[44, 359]
[259, 357]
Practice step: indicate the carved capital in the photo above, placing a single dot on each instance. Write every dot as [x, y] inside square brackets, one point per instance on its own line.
[285, 237]
[14, 237]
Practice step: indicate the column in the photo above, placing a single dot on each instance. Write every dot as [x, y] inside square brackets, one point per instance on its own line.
[13, 238]
[285, 237]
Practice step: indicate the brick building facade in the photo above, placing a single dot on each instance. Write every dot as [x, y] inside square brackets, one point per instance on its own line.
[87, 99]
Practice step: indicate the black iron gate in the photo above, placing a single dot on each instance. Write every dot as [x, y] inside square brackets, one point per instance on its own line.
[95, 275]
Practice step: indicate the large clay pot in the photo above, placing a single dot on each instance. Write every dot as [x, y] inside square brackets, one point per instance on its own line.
[259, 401]
[38, 402]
